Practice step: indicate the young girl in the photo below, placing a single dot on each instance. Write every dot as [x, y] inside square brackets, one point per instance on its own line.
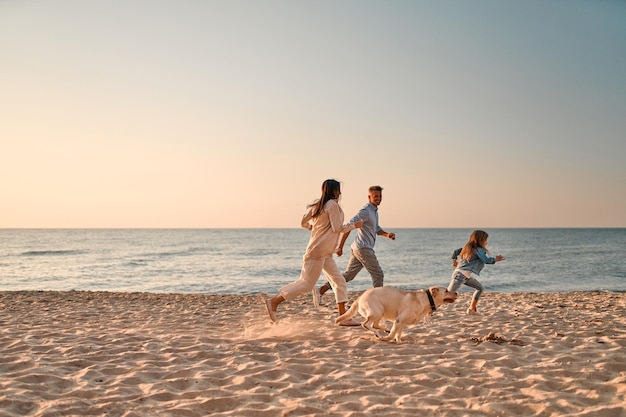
[325, 220]
[469, 259]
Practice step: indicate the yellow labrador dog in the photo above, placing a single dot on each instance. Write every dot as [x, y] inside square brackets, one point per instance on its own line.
[401, 307]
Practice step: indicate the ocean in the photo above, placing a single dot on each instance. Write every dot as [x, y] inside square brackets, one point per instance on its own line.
[250, 261]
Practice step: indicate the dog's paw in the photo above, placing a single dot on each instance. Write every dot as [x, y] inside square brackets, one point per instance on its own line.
[381, 334]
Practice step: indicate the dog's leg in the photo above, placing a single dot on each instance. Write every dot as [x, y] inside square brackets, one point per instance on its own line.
[395, 333]
[388, 337]
[370, 324]
[398, 335]
[381, 334]
[384, 327]
[367, 324]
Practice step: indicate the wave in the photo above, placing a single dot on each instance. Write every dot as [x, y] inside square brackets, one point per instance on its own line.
[138, 262]
[176, 253]
[52, 252]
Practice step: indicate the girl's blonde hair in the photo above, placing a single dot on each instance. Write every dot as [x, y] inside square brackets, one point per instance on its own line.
[477, 239]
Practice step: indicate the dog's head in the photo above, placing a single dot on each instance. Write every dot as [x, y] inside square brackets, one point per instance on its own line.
[441, 295]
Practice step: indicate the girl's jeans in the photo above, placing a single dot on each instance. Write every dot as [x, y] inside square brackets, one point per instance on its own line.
[459, 279]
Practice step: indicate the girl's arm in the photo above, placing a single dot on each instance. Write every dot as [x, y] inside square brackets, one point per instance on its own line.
[455, 254]
[482, 255]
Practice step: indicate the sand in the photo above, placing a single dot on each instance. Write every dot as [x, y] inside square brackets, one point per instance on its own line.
[141, 354]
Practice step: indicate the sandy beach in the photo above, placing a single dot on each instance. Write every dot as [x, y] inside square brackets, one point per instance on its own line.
[142, 354]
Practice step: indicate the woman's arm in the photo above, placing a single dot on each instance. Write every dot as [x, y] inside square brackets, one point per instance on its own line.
[306, 219]
[335, 216]
[342, 242]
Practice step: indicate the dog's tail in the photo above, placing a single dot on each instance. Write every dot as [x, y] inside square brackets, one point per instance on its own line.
[350, 313]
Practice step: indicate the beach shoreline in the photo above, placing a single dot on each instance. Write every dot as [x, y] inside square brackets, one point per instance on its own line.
[138, 354]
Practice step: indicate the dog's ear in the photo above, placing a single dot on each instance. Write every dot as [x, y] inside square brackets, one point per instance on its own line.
[434, 291]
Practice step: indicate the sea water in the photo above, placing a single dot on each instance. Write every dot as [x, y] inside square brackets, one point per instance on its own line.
[238, 261]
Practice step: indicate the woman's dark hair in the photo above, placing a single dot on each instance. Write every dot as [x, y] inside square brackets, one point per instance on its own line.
[330, 189]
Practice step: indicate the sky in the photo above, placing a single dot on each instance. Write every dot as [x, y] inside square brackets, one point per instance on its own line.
[231, 114]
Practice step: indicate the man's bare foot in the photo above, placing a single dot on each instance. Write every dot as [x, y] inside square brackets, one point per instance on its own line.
[271, 310]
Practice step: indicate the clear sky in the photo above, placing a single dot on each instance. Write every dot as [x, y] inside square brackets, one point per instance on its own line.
[472, 114]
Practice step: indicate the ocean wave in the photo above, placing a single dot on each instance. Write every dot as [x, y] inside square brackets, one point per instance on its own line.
[174, 253]
[52, 252]
[258, 252]
[138, 262]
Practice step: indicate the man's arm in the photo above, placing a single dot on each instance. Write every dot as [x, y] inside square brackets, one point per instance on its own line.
[391, 236]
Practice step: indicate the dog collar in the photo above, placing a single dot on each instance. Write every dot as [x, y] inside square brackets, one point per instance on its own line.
[431, 300]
